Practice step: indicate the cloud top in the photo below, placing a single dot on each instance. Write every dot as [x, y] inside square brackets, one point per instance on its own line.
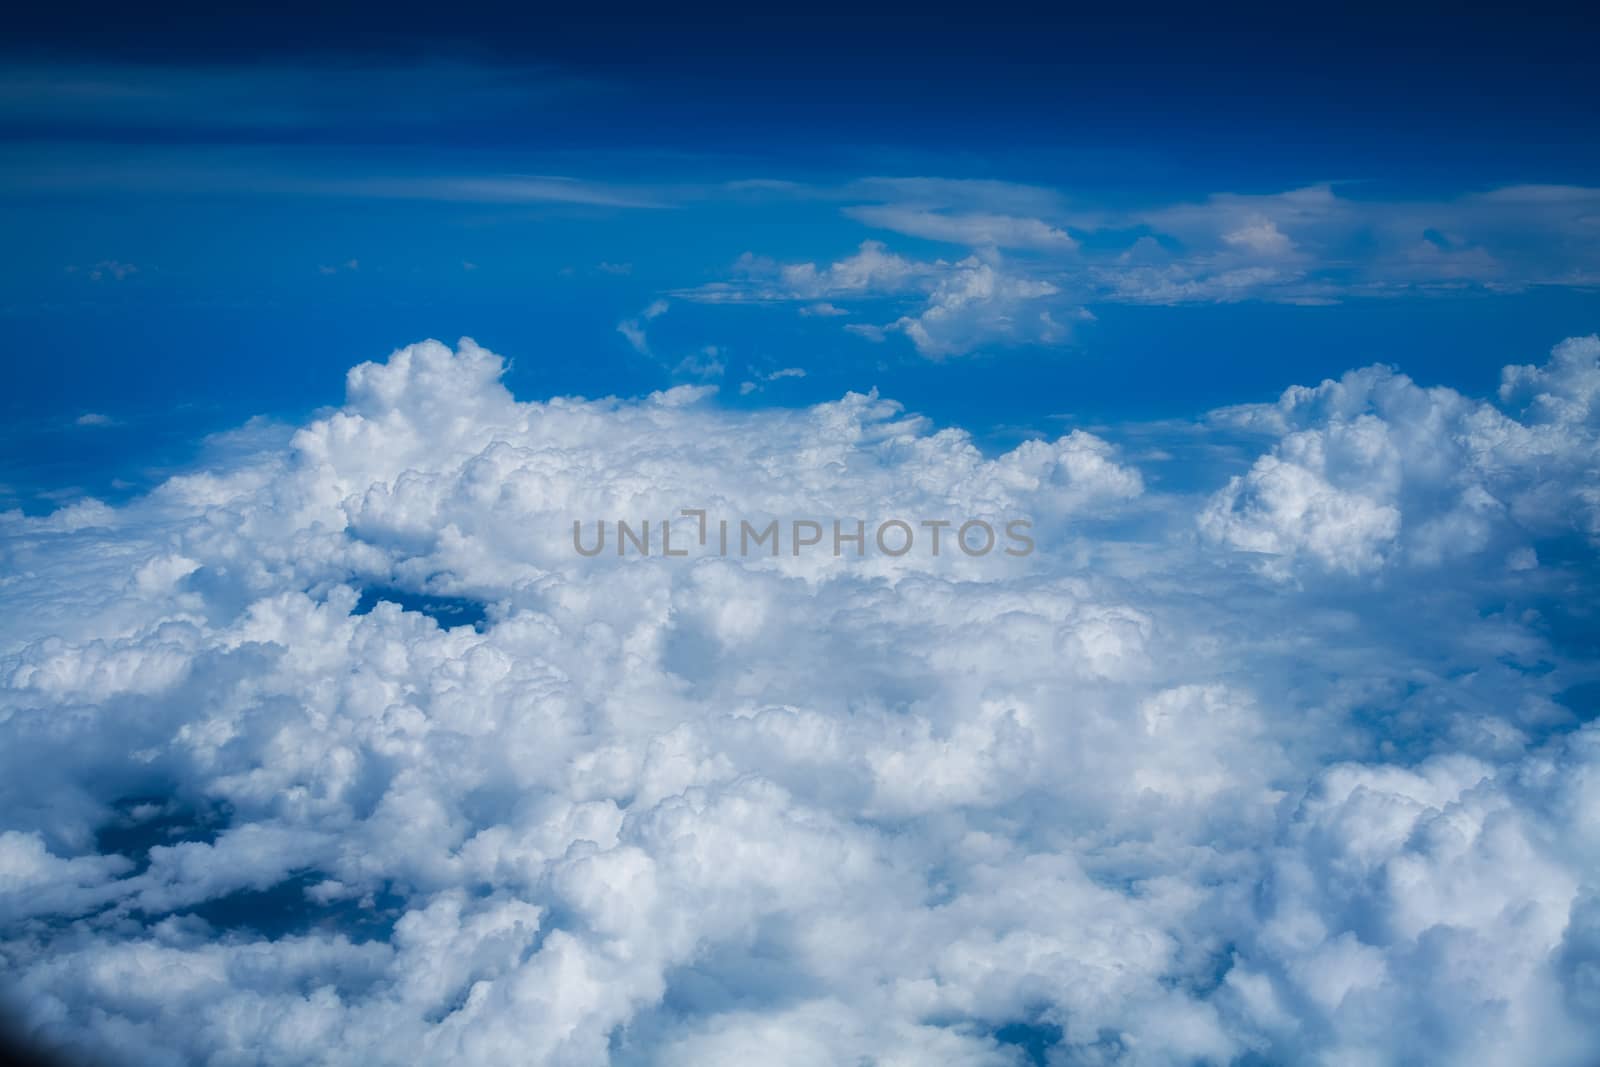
[1297, 768]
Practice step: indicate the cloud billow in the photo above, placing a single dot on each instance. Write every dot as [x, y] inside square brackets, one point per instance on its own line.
[1299, 768]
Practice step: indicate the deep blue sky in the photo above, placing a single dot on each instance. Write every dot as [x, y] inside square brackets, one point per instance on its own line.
[212, 214]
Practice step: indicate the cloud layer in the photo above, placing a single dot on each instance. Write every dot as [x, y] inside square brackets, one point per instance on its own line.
[1300, 767]
[1037, 257]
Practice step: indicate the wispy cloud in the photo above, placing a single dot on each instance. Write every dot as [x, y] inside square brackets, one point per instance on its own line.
[114, 270]
[91, 101]
[974, 230]
[633, 329]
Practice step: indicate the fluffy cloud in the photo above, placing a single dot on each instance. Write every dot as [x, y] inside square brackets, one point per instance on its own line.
[1261, 236]
[977, 304]
[872, 270]
[1301, 770]
[1354, 457]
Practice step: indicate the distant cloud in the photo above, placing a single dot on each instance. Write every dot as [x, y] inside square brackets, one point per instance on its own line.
[975, 304]
[488, 189]
[751, 386]
[634, 329]
[972, 230]
[293, 176]
[1308, 246]
[706, 363]
[872, 270]
[1261, 236]
[106, 270]
[964, 305]
[272, 99]
[634, 332]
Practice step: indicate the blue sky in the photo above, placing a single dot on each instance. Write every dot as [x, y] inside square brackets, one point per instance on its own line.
[210, 218]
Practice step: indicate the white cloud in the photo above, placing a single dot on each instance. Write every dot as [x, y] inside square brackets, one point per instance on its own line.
[706, 363]
[748, 387]
[1141, 796]
[975, 304]
[975, 230]
[1313, 245]
[634, 329]
[961, 306]
[1372, 468]
[1261, 236]
[872, 270]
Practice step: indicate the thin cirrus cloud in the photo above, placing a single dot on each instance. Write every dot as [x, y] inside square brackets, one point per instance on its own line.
[89, 101]
[338, 735]
[633, 329]
[974, 230]
[267, 129]
[291, 175]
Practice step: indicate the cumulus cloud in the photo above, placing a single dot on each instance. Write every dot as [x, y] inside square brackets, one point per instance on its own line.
[977, 304]
[1261, 236]
[959, 307]
[1203, 779]
[872, 270]
[1373, 469]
